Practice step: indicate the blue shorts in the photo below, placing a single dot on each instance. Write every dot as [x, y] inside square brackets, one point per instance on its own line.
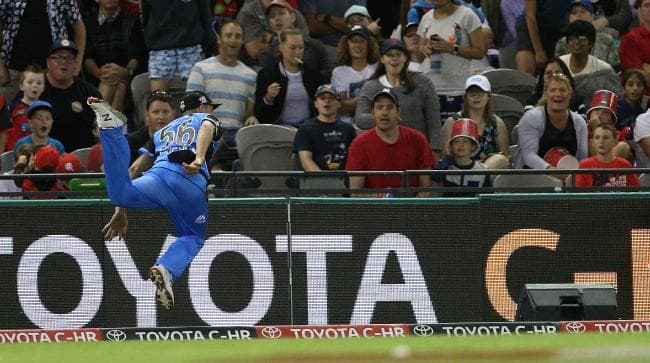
[166, 63]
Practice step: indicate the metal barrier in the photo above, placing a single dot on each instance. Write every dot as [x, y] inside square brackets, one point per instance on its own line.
[227, 184]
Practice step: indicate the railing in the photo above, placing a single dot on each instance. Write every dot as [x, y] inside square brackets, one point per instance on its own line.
[239, 184]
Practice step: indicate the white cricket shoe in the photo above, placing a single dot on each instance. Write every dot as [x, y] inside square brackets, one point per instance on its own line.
[161, 276]
[106, 116]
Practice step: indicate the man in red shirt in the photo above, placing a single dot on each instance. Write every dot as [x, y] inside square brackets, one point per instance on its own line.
[389, 147]
[634, 52]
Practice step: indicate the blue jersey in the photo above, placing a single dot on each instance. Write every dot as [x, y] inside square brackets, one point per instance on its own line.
[176, 142]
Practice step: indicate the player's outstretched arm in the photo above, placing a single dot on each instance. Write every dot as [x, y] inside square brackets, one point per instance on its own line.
[117, 226]
[206, 135]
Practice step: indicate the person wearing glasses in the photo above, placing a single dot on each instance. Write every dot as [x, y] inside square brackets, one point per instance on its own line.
[73, 119]
[580, 38]
[29, 29]
[589, 73]
[604, 46]
[492, 135]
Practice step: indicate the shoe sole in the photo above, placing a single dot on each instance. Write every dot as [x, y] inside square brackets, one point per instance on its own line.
[119, 121]
[162, 294]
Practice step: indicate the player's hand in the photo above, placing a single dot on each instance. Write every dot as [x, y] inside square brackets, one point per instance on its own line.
[193, 167]
[117, 226]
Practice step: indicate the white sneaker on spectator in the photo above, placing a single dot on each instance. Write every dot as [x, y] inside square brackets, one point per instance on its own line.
[106, 116]
[161, 276]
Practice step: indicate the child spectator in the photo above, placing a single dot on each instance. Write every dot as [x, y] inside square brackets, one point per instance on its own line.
[32, 83]
[68, 164]
[604, 141]
[40, 122]
[634, 102]
[603, 111]
[493, 134]
[463, 146]
[45, 161]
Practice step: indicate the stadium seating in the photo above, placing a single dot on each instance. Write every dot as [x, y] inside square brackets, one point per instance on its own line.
[509, 109]
[140, 90]
[266, 147]
[82, 154]
[510, 82]
[6, 161]
[526, 180]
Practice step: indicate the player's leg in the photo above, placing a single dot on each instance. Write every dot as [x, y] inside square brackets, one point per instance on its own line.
[188, 208]
[116, 157]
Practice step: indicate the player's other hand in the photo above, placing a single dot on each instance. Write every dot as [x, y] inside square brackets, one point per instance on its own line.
[117, 226]
[193, 167]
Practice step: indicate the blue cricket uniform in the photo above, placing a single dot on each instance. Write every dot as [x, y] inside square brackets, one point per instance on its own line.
[166, 184]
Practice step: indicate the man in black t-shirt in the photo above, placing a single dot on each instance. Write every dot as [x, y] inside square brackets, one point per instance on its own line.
[322, 142]
[74, 121]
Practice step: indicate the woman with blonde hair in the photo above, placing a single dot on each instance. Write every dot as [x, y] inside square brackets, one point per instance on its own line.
[493, 141]
[552, 126]
[284, 92]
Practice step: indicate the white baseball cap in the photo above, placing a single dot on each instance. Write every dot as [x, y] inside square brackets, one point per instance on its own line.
[478, 81]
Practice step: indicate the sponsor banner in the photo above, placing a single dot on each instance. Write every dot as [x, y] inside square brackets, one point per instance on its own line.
[468, 329]
[606, 327]
[179, 333]
[353, 263]
[50, 336]
[333, 331]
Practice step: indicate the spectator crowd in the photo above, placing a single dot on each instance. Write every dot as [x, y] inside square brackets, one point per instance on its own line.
[369, 85]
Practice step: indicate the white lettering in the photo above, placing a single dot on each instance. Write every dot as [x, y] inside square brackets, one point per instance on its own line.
[92, 282]
[6, 246]
[140, 288]
[263, 285]
[414, 289]
[315, 248]
[44, 338]
[58, 336]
